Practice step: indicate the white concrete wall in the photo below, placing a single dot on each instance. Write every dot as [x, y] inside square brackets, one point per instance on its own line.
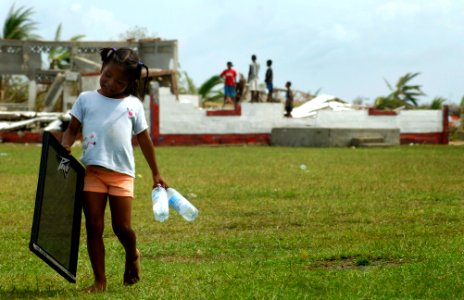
[182, 117]
[90, 82]
[420, 121]
[408, 121]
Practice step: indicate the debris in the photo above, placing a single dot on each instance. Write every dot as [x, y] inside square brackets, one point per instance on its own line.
[191, 195]
[27, 120]
[321, 102]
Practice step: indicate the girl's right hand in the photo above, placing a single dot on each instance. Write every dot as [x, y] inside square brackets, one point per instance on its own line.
[67, 148]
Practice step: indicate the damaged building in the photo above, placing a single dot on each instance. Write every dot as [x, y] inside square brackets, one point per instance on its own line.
[49, 89]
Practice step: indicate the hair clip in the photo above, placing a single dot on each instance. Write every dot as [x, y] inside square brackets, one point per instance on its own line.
[110, 52]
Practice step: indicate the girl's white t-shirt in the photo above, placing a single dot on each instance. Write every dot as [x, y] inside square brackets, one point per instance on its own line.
[107, 128]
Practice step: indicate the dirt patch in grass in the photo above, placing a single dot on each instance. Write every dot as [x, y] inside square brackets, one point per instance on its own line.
[199, 257]
[355, 262]
[181, 259]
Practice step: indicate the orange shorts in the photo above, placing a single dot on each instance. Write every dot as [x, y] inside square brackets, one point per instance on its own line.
[101, 180]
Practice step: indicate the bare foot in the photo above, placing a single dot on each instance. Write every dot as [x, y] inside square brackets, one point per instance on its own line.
[97, 287]
[132, 272]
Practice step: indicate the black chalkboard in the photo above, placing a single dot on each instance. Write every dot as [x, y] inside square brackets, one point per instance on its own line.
[58, 209]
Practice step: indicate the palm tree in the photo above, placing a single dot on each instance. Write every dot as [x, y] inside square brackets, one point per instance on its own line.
[60, 57]
[18, 24]
[402, 94]
[382, 102]
[207, 91]
[187, 85]
[406, 93]
[437, 103]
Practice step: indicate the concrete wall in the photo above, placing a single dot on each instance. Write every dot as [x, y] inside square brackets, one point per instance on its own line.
[25, 57]
[330, 137]
[183, 117]
[18, 58]
[412, 121]
[159, 54]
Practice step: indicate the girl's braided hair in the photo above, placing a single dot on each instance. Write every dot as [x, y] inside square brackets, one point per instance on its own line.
[132, 64]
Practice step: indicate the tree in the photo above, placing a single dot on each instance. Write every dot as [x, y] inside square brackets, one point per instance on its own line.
[136, 33]
[60, 57]
[360, 100]
[402, 94]
[18, 24]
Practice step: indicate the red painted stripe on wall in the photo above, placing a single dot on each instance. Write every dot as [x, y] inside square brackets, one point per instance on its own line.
[371, 111]
[218, 139]
[237, 111]
[213, 139]
[445, 133]
[422, 138]
[25, 137]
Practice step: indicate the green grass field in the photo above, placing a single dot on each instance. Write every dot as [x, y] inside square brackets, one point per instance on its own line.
[355, 224]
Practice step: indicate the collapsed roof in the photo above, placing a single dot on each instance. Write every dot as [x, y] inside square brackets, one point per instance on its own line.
[321, 102]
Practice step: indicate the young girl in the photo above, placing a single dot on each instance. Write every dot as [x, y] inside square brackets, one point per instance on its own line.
[108, 118]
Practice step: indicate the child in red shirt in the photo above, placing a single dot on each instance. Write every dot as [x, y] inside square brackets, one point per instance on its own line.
[229, 76]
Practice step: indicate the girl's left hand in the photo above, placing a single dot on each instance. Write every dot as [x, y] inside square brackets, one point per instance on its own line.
[158, 180]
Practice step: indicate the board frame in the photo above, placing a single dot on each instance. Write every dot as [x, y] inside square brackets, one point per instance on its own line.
[70, 165]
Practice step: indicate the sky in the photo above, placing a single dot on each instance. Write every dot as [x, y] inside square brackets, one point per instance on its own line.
[342, 48]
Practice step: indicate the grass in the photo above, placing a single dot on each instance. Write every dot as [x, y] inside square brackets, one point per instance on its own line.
[274, 223]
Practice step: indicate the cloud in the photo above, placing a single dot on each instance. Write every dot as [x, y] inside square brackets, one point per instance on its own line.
[339, 33]
[76, 7]
[345, 47]
[393, 9]
[104, 22]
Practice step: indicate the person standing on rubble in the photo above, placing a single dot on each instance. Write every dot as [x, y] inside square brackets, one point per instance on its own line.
[229, 76]
[269, 79]
[288, 100]
[253, 79]
[240, 88]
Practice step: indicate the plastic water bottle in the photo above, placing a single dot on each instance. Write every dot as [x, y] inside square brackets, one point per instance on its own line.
[159, 198]
[182, 205]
